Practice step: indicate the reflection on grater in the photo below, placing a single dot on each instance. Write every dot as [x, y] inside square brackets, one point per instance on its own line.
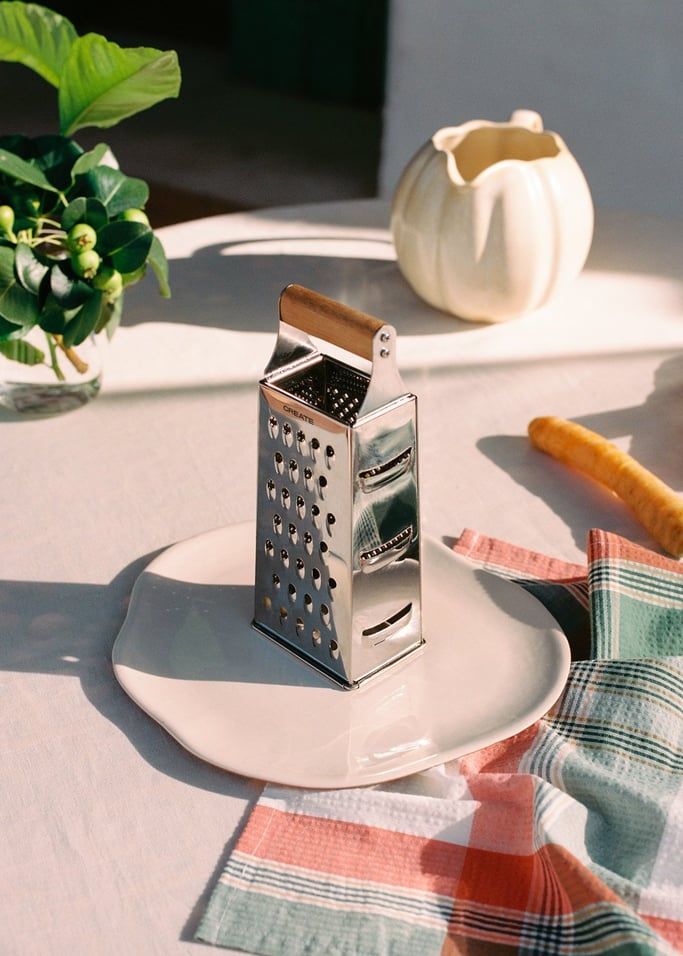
[337, 577]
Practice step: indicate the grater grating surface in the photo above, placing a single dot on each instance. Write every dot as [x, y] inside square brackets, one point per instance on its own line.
[338, 542]
[330, 386]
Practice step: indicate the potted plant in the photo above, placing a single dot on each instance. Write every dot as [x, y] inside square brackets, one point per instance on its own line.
[74, 234]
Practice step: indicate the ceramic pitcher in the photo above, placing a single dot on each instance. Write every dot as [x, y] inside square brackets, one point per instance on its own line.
[490, 219]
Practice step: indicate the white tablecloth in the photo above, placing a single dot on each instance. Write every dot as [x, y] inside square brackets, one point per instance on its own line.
[112, 833]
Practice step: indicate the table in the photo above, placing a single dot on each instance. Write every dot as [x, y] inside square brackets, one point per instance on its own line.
[112, 834]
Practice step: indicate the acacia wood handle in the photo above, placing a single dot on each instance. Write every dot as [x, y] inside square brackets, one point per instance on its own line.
[327, 319]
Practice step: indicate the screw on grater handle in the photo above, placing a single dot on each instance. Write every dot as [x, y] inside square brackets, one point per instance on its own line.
[327, 319]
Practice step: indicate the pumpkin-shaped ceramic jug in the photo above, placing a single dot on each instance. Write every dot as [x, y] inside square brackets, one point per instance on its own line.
[489, 219]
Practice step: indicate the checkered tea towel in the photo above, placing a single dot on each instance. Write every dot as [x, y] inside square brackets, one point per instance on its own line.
[564, 839]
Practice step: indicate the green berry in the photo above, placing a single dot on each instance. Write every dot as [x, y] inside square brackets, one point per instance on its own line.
[135, 215]
[86, 263]
[6, 219]
[81, 237]
[130, 278]
[110, 282]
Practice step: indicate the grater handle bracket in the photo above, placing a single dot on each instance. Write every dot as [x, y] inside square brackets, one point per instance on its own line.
[332, 321]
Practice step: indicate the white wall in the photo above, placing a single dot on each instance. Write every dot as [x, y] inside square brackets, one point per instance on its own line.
[607, 75]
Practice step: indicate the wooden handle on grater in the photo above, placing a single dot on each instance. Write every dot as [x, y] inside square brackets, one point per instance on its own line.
[327, 319]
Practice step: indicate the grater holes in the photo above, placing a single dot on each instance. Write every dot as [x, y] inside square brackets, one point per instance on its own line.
[276, 582]
[301, 441]
[315, 516]
[329, 456]
[316, 636]
[316, 577]
[323, 551]
[267, 603]
[283, 614]
[334, 650]
[322, 486]
[270, 489]
[291, 590]
[277, 524]
[300, 567]
[300, 506]
[308, 542]
[308, 603]
[293, 470]
[285, 498]
[269, 547]
[273, 426]
[299, 625]
[284, 557]
[325, 614]
[331, 521]
[287, 434]
[279, 462]
[332, 584]
[308, 478]
[293, 533]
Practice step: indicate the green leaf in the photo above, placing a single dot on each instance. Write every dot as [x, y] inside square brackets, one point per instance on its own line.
[125, 244]
[17, 168]
[102, 83]
[17, 306]
[68, 291]
[29, 269]
[84, 322]
[52, 317]
[94, 157]
[36, 37]
[117, 191]
[85, 209]
[20, 351]
[158, 261]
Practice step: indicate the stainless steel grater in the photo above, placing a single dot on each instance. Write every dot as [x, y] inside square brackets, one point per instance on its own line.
[337, 578]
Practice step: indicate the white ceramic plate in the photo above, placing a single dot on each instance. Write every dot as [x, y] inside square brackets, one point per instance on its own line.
[494, 661]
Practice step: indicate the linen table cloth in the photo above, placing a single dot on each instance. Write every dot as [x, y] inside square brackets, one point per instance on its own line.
[566, 838]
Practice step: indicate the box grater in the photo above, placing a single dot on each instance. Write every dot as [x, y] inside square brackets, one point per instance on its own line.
[338, 575]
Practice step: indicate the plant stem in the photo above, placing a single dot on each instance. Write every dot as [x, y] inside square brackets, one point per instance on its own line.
[73, 356]
[59, 374]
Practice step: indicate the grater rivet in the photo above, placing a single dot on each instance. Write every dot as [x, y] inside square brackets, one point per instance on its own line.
[273, 427]
[287, 436]
[279, 462]
[300, 506]
[384, 353]
[316, 635]
[334, 650]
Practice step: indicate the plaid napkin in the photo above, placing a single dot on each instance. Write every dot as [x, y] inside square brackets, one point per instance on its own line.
[566, 838]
